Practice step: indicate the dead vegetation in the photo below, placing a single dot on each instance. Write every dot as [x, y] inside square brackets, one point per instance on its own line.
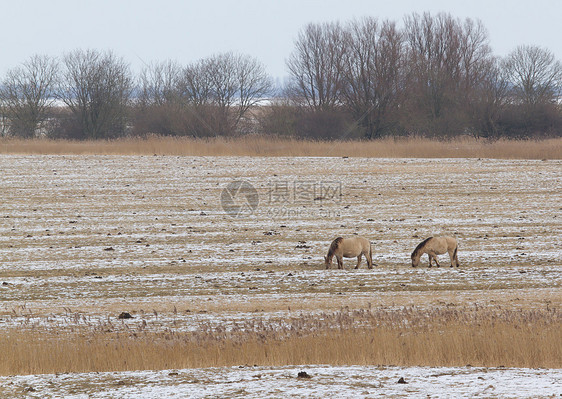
[205, 289]
[404, 337]
[278, 146]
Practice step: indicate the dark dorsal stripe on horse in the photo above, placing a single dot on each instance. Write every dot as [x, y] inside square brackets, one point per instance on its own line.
[420, 246]
[334, 246]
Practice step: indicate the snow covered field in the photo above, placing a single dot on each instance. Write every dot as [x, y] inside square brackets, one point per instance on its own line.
[283, 382]
[84, 238]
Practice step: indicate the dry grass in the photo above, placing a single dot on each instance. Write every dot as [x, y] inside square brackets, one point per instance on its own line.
[56, 230]
[275, 146]
[406, 337]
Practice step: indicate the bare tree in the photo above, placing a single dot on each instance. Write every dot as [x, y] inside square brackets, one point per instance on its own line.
[535, 75]
[158, 109]
[446, 58]
[475, 57]
[221, 75]
[372, 73]
[27, 95]
[96, 86]
[159, 83]
[254, 83]
[220, 90]
[490, 99]
[432, 62]
[3, 121]
[316, 66]
[535, 79]
[195, 85]
[195, 90]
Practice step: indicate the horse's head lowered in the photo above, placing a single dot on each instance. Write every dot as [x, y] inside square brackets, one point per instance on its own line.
[415, 259]
[418, 252]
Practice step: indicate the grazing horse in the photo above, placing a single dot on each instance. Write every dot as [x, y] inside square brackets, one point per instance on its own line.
[349, 248]
[436, 246]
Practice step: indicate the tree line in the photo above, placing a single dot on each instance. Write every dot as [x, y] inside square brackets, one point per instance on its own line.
[433, 76]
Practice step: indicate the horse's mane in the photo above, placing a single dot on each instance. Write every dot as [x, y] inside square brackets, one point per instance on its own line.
[420, 246]
[333, 246]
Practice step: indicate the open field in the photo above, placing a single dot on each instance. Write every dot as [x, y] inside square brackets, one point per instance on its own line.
[283, 382]
[85, 238]
[463, 147]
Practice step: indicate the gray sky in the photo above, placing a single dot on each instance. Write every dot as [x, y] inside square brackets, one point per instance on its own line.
[141, 31]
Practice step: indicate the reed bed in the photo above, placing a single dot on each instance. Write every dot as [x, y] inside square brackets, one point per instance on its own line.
[464, 147]
[404, 337]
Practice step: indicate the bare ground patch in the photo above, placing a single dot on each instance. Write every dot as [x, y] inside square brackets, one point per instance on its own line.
[84, 238]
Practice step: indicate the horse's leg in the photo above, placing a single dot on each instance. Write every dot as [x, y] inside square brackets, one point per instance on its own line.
[452, 256]
[340, 262]
[435, 259]
[358, 260]
[456, 256]
[429, 256]
[369, 260]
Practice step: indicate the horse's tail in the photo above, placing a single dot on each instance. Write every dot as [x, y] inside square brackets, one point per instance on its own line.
[334, 246]
[455, 253]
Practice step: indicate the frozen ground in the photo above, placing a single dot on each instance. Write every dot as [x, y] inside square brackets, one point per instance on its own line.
[101, 234]
[267, 382]
[84, 238]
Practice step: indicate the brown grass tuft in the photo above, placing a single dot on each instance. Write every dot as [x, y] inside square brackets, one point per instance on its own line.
[406, 337]
[275, 146]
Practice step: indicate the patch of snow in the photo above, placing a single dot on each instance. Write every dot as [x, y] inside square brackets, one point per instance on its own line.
[283, 382]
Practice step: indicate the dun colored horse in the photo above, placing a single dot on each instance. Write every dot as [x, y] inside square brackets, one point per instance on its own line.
[436, 246]
[349, 248]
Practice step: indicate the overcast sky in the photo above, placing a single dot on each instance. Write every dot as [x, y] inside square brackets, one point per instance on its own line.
[141, 31]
